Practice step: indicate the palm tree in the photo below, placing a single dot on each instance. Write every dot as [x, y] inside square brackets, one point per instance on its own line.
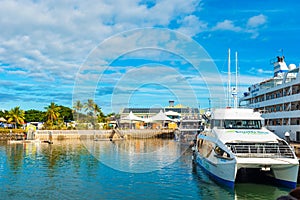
[78, 106]
[16, 116]
[98, 112]
[96, 109]
[89, 107]
[52, 113]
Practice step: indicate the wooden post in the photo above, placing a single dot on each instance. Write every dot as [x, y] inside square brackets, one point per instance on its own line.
[50, 137]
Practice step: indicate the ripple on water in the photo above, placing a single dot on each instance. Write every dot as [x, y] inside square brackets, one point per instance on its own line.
[66, 170]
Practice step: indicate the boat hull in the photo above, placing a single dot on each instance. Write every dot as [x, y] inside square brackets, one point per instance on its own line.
[284, 170]
[285, 176]
[223, 172]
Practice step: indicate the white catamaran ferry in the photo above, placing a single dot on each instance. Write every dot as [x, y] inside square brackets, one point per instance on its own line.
[237, 148]
[278, 99]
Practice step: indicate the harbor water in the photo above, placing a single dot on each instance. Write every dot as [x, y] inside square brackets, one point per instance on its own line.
[75, 169]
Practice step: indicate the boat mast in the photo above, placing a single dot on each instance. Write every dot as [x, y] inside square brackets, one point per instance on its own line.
[236, 81]
[229, 86]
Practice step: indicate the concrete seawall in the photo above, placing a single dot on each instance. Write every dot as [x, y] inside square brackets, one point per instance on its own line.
[101, 134]
[71, 134]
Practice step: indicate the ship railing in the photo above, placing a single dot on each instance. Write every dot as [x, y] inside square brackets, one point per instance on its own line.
[190, 126]
[190, 117]
[261, 150]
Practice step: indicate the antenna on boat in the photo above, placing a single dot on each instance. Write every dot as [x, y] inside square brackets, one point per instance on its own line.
[229, 87]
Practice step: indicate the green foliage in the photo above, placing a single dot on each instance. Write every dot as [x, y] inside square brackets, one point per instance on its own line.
[77, 109]
[66, 113]
[94, 111]
[34, 116]
[16, 116]
[111, 114]
[89, 107]
[78, 106]
[55, 115]
[52, 115]
[3, 113]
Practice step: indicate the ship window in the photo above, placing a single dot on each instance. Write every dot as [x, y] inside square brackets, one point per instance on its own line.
[278, 108]
[242, 124]
[297, 136]
[272, 96]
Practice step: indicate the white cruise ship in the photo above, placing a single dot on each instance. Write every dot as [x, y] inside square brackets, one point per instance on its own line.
[278, 99]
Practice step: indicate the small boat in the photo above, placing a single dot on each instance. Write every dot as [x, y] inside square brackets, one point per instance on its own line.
[237, 148]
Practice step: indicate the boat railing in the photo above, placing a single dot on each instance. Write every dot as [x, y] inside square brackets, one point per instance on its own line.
[261, 150]
[190, 117]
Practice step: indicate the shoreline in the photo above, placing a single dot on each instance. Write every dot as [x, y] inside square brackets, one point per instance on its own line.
[91, 134]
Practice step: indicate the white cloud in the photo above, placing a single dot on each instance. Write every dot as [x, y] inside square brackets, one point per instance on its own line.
[53, 35]
[18, 72]
[227, 25]
[256, 21]
[260, 71]
[47, 41]
[251, 27]
[191, 25]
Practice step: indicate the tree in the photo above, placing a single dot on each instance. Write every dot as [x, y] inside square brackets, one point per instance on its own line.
[66, 113]
[16, 115]
[34, 116]
[94, 111]
[101, 117]
[52, 114]
[78, 107]
[89, 107]
[3, 113]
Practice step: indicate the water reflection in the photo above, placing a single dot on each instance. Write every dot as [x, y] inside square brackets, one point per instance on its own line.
[259, 191]
[15, 157]
[136, 155]
[207, 187]
[66, 170]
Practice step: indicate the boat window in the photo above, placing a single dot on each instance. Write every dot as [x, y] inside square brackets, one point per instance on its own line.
[220, 152]
[242, 124]
[199, 143]
[217, 123]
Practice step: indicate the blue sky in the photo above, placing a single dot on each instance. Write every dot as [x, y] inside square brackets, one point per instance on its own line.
[50, 50]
